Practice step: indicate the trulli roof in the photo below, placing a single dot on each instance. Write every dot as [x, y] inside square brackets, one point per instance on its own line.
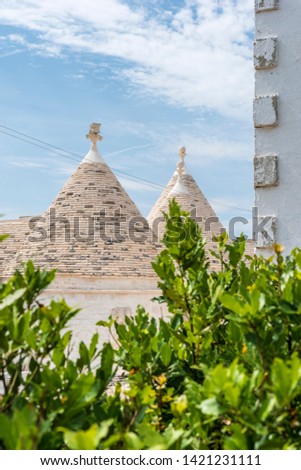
[92, 227]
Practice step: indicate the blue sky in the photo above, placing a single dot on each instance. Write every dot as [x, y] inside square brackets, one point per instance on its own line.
[158, 75]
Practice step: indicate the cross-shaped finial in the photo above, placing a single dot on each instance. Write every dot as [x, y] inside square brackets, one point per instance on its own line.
[181, 165]
[94, 134]
[182, 153]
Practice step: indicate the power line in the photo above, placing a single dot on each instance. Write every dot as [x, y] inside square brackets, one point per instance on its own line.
[38, 140]
[36, 145]
[75, 157]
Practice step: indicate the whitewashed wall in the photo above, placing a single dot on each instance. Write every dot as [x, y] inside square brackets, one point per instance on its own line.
[277, 120]
[99, 297]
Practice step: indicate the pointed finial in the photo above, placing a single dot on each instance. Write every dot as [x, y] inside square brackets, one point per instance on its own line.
[180, 187]
[181, 164]
[94, 134]
[182, 153]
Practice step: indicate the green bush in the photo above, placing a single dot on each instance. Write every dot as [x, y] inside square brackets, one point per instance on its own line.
[222, 371]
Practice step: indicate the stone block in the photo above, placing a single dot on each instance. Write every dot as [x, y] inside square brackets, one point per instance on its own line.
[266, 5]
[265, 53]
[265, 111]
[265, 171]
[265, 231]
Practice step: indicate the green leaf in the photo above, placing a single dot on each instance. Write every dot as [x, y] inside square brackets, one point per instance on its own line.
[86, 440]
[93, 345]
[165, 354]
[84, 353]
[19, 431]
[238, 439]
[232, 303]
[133, 442]
[286, 377]
[58, 357]
[12, 298]
[211, 407]
[6, 432]
[107, 361]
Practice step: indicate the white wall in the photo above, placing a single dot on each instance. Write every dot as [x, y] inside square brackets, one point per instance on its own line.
[100, 297]
[277, 118]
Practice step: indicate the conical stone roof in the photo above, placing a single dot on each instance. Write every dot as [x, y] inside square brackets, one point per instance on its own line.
[188, 195]
[15, 229]
[92, 227]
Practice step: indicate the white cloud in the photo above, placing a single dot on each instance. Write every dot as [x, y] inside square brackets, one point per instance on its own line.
[28, 164]
[201, 151]
[127, 149]
[206, 143]
[16, 38]
[196, 56]
[51, 165]
[78, 76]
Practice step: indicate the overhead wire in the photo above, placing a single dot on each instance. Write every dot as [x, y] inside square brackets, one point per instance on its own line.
[78, 157]
[75, 157]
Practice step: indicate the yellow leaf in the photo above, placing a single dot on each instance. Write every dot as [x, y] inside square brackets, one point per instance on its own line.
[278, 248]
[161, 380]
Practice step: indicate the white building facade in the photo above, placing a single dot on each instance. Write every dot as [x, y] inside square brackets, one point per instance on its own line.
[277, 121]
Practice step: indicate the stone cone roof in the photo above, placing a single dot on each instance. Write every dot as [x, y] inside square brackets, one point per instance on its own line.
[184, 189]
[192, 200]
[92, 228]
